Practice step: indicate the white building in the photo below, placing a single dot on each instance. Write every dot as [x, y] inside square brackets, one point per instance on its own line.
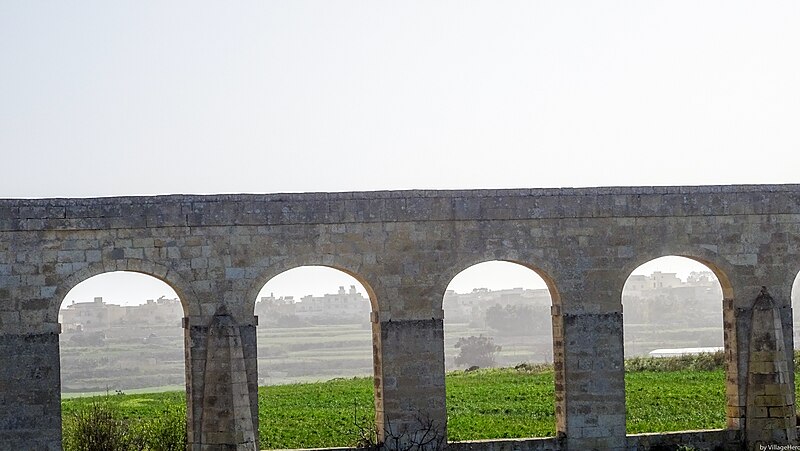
[344, 304]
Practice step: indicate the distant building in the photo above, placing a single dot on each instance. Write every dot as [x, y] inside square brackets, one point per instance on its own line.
[270, 307]
[661, 295]
[350, 304]
[341, 306]
[665, 280]
[471, 307]
[159, 311]
[645, 298]
[637, 283]
[93, 315]
[98, 315]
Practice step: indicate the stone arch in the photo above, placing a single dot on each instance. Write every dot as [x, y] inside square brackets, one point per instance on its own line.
[154, 271]
[364, 343]
[709, 261]
[544, 272]
[148, 268]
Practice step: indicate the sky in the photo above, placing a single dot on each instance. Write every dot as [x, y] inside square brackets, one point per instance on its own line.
[145, 97]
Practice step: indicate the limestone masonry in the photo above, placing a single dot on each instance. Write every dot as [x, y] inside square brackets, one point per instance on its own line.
[405, 247]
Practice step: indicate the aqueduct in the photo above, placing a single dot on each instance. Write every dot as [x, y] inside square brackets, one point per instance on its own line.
[405, 246]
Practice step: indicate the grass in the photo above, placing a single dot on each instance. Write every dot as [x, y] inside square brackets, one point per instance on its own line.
[323, 414]
[500, 403]
[674, 400]
[130, 406]
[155, 422]
[490, 403]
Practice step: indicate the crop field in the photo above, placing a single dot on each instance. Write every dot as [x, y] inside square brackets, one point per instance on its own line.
[153, 357]
[288, 355]
[491, 403]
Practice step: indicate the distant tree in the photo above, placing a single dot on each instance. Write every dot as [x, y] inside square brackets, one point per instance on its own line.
[290, 321]
[517, 319]
[476, 351]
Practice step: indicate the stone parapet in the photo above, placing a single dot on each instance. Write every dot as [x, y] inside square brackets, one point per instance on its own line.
[393, 206]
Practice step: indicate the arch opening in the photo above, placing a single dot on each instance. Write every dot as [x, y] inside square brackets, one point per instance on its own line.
[498, 314]
[314, 326]
[674, 341]
[121, 334]
[136, 314]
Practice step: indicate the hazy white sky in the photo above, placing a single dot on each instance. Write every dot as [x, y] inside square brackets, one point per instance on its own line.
[145, 97]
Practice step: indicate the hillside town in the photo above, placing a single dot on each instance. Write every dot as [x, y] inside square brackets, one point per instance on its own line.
[340, 307]
[690, 302]
[99, 315]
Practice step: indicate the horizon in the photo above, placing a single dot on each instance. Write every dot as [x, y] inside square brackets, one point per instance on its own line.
[69, 300]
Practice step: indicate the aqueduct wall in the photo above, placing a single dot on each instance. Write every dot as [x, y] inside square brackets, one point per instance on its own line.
[405, 247]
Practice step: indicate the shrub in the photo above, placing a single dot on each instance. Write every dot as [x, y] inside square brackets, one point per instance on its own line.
[694, 362]
[95, 427]
[534, 368]
[166, 432]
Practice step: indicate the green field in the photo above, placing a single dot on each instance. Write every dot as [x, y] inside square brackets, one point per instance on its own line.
[492, 403]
